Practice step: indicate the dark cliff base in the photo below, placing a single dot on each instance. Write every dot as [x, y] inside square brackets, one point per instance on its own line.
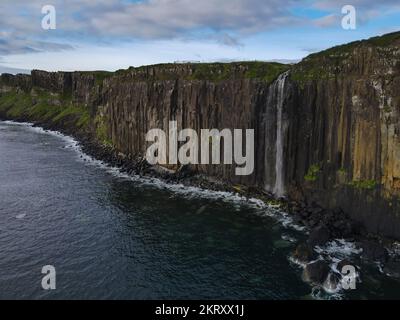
[339, 121]
[322, 225]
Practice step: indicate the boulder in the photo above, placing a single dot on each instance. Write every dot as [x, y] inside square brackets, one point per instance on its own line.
[331, 282]
[304, 253]
[344, 263]
[316, 272]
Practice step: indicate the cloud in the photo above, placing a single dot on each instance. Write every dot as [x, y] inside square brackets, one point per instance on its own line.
[366, 10]
[12, 43]
[223, 21]
[4, 69]
[226, 22]
[360, 4]
[327, 21]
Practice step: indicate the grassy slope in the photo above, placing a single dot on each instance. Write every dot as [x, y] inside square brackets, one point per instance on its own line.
[44, 107]
[319, 65]
[58, 110]
[265, 71]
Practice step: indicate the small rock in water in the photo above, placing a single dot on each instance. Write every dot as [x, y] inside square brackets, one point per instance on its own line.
[304, 253]
[331, 283]
[344, 263]
[289, 238]
[316, 272]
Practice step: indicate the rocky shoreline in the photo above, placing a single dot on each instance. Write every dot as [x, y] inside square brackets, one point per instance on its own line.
[322, 226]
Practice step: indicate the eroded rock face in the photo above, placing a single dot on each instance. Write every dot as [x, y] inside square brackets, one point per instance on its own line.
[344, 132]
[332, 121]
[304, 254]
[316, 272]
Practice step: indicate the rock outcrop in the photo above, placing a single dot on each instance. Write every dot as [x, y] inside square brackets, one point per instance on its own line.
[326, 129]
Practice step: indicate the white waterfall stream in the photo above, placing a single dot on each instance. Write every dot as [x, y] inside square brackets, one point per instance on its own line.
[281, 127]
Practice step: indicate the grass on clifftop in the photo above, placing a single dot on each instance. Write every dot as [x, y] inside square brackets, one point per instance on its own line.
[100, 76]
[267, 71]
[43, 107]
[324, 64]
[217, 71]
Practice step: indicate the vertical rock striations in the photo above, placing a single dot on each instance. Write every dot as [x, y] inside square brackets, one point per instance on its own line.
[327, 131]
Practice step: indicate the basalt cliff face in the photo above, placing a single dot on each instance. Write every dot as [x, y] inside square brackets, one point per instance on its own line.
[326, 129]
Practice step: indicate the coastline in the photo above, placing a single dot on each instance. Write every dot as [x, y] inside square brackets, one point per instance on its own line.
[330, 242]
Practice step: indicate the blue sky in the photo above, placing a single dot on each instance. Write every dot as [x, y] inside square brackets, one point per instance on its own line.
[114, 34]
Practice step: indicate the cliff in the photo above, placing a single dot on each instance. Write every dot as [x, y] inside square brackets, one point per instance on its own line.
[326, 129]
[345, 149]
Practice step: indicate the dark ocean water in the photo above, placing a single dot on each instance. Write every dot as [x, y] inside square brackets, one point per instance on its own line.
[112, 237]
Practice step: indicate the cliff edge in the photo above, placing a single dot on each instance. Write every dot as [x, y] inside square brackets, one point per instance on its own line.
[326, 129]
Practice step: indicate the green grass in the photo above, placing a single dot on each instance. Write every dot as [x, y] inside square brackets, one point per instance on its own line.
[385, 40]
[342, 170]
[326, 64]
[312, 174]
[78, 115]
[102, 131]
[15, 105]
[364, 184]
[100, 76]
[44, 107]
[266, 71]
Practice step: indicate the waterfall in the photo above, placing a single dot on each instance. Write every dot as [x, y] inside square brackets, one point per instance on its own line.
[279, 189]
[275, 108]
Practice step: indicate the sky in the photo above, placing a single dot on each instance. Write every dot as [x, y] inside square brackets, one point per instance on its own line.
[116, 34]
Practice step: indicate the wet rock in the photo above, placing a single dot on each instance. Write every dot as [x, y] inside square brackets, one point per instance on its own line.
[392, 269]
[373, 251]
[304, 214]
[312, 222]
[304, 253]
[342, 228]
[331, 282]
[316, 210]
[344, 263]
[316, 272]
[319, 236]
[184, 171]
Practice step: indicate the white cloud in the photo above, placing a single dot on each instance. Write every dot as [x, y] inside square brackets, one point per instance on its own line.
[224, 21]
[327, 21]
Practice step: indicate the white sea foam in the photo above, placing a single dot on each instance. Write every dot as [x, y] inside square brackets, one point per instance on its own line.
[319, 293]
[296, 262]
[394, 250]
[289, 238]
[332, 253]
[263, 208]
[339, 249]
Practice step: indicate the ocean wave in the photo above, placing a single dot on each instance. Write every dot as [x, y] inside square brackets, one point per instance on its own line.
[264, 209]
